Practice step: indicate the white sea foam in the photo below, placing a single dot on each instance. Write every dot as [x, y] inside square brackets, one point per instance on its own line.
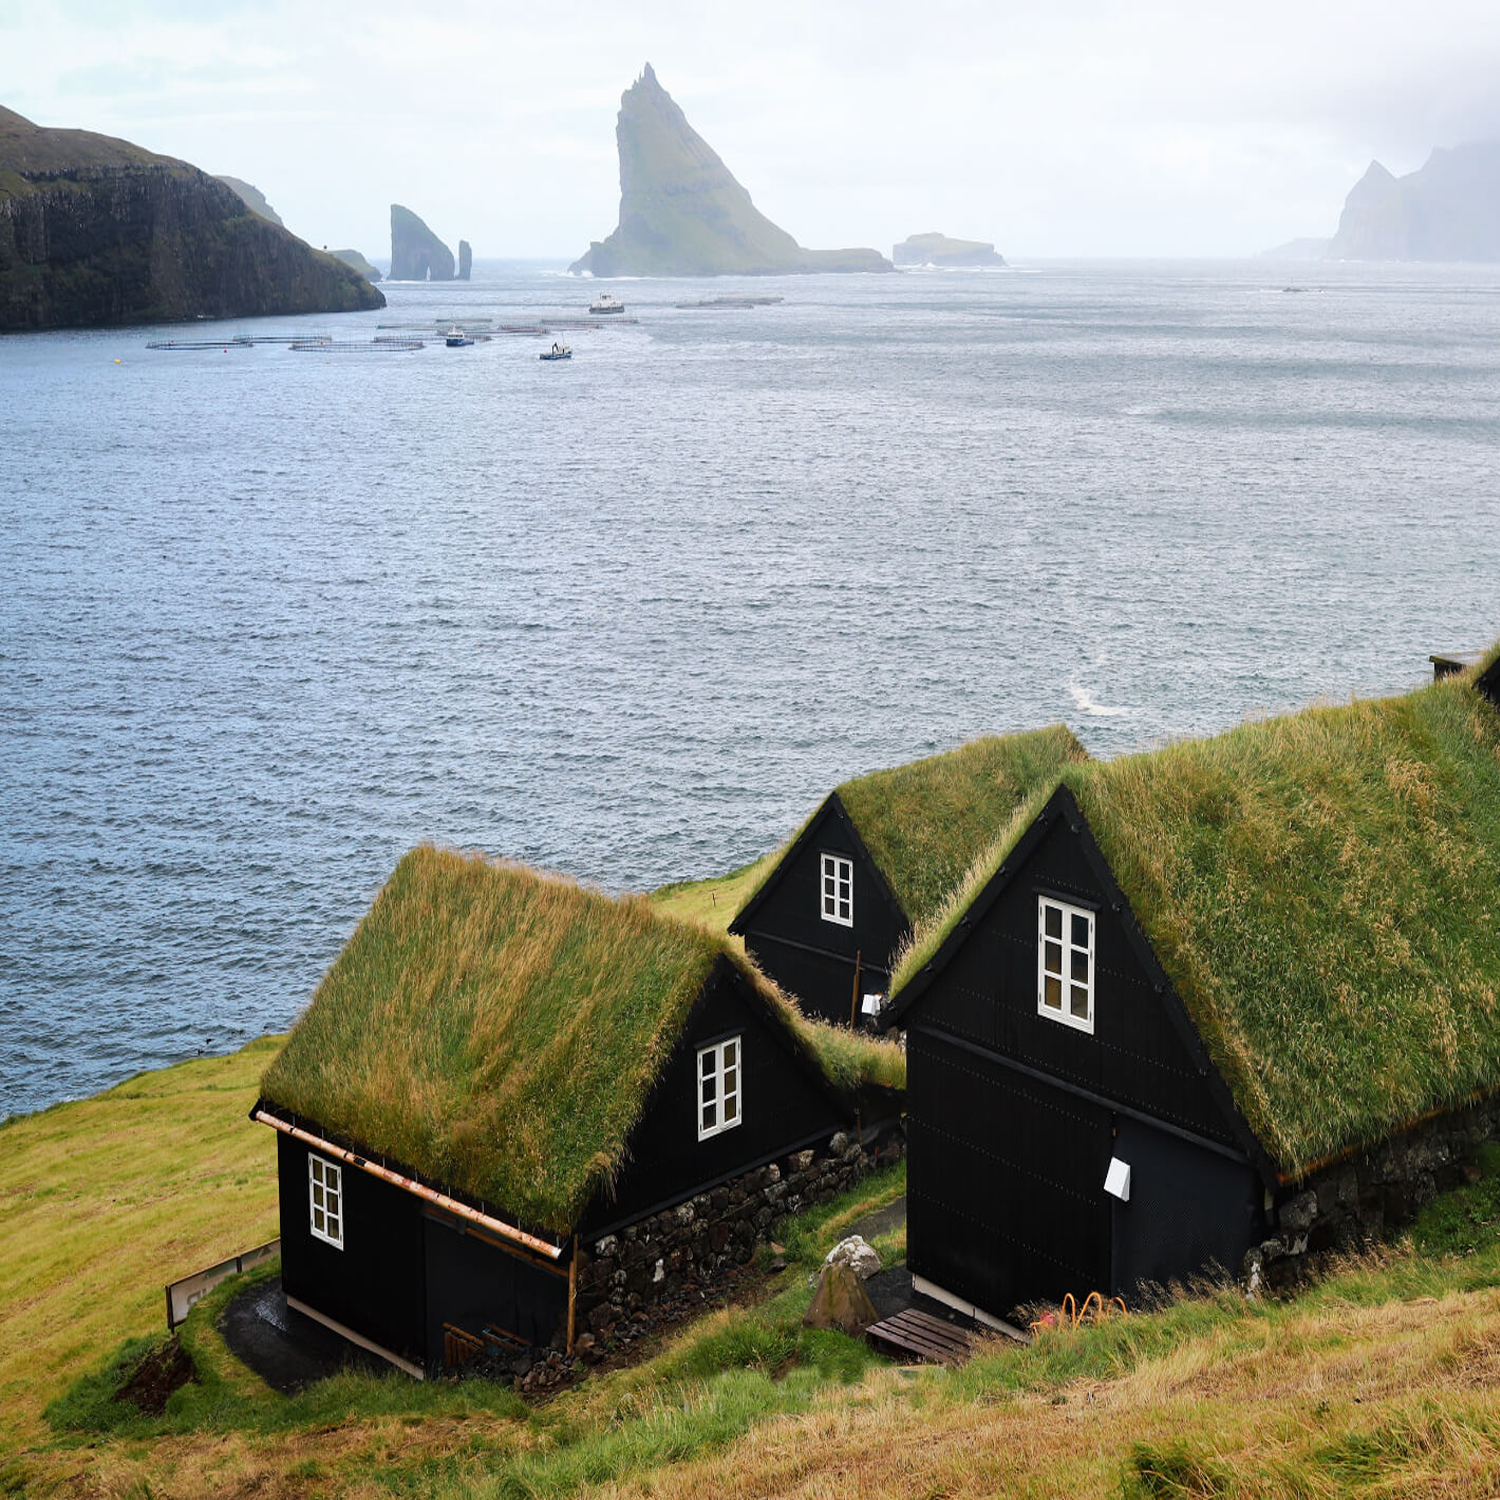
[1086, 704]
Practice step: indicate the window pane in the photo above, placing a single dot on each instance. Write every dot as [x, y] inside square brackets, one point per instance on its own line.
[731, 1076]
[705, 1064]
[319, 1223]
[317, 1169]
[710, 1088]
[710, 1116]
[1080, 930]
[333, 1229]
[317, 1195]
[731, 1110]
[1053, 957]
[1080, 1002]
[1054, 921]
[1052, 994]
[730, 1048]
[1080, 966]
[333, 1202]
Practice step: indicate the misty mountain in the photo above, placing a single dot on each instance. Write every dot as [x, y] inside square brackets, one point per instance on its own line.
[683, 214]
[1447, 210]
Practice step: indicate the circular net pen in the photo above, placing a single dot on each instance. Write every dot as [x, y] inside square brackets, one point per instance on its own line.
[357, 346]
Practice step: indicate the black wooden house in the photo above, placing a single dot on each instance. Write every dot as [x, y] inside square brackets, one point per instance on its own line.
[882, 854]
[1208, 1004]
[503, 1070]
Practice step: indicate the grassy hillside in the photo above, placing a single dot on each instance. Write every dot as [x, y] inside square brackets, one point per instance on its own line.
[106, 1200]
[1382, 1381]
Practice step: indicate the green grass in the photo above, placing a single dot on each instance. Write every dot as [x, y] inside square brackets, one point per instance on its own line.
[1383, 1379]
[713, 903]
[1467, 1219]
[220, 1399]
[926, 822]
[706, 1385]
[499, 1030]
[1323, 890]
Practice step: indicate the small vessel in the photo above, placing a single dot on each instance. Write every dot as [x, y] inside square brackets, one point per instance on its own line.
[604, 303]
[557, 351]
[456, 338]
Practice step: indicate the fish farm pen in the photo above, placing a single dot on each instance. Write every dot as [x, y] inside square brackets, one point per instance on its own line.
[301, 343]
[241, 341]
[357, 346]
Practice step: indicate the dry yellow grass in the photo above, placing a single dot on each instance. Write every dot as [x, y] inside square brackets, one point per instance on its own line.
[1394, 1399]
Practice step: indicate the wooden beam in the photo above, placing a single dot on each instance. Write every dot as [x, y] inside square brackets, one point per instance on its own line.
[572, 1293]
[421, 1190]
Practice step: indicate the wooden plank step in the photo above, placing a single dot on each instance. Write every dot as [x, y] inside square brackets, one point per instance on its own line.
[912, 1332]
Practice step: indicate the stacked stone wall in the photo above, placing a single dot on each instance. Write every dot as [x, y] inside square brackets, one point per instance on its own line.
[1364, 1198]
[622, 1275]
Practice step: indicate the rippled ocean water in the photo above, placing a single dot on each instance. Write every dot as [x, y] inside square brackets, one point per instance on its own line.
[269, 618]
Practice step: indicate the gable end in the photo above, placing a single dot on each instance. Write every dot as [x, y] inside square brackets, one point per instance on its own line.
[832, 807]
[1063, 809]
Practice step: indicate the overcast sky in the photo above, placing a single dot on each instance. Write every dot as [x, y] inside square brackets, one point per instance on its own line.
[1163, 127]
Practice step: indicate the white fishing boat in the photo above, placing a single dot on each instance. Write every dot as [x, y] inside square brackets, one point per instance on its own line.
[604, 303]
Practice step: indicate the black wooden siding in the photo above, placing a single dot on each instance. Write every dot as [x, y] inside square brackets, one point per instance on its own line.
[786, 1104]
[807, 956]
[477, 1286]
[375, 1284]
[1188, 1209]
[1136, 1056]
[1013, 1116]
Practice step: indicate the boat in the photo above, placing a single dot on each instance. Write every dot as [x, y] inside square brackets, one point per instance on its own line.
[456, 338]
[604, 303]
[557, 351]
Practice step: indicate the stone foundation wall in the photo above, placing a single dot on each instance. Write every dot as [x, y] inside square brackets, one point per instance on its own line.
[1365, 1197]
[623, 1275]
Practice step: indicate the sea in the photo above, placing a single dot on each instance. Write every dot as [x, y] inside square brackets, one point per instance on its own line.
[271, 616]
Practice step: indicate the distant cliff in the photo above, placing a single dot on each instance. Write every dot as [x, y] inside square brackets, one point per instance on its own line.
[94, 230]
[358, 262]
[417, 254]
[465, 260]
[939, 250]
[251, 196]
[683, 214]
[1447, 210]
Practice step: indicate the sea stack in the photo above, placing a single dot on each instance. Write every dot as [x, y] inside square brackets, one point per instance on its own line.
[683, 214]
[95, 231]
[1447, 210]
[417, 254]
[465, 260]
[939, 250]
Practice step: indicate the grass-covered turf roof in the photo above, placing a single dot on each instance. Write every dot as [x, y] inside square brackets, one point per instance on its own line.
[1323, 890]
[499, 1030]
[924, 823]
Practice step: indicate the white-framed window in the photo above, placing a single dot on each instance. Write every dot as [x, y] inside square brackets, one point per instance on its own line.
[1065, 963]
[838, 890]
[325, 1200]
[719, 1087]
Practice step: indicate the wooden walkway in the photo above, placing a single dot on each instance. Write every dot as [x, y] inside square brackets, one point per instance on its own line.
[919, 1335]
